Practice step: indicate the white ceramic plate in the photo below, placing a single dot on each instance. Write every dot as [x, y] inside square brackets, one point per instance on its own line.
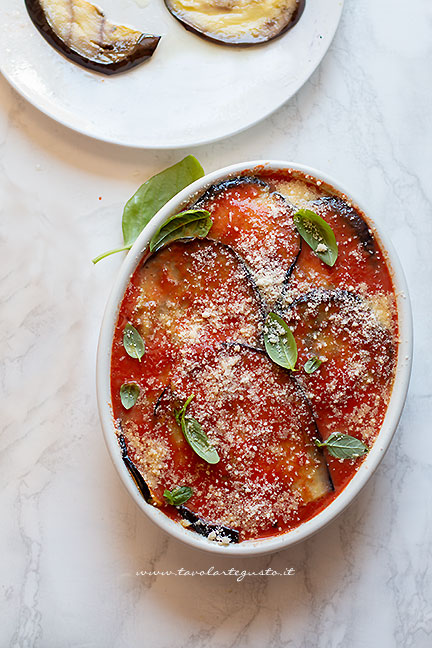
[190, 92]
[393, 413]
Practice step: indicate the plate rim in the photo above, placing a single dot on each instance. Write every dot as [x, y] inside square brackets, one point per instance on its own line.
[339, 5]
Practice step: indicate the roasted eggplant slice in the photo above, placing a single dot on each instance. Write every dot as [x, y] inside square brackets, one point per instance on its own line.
[264, 431]
[255, 414]
[352, 217]
[198, 293]
[256, 222]
[80, 31]
[359, 253]
[354, 340]
[237, 22]
[217, 532]
[187, 299]
[134, 472]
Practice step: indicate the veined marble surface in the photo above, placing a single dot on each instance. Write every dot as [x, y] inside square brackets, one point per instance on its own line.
[71, 538]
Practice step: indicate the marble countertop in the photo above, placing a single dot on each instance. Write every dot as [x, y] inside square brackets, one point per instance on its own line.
[71, 539]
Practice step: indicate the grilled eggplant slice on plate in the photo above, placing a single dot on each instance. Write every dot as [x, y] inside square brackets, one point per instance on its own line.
[80, 31]
[237, 22]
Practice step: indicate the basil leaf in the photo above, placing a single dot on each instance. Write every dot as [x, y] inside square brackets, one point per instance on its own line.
[129, 393]
[343, 446]
[195, 435]
[178, 496]
[133, 342]
[198, 441]
[318, 235]
[151, 196]
[312, 365]
[279, 342]
[155, 193]
[123, 248]
[192, 223]
[181, 412]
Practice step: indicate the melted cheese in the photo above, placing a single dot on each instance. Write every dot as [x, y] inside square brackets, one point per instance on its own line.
[245, 21]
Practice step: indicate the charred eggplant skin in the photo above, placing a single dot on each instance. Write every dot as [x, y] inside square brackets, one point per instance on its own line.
[143, 50]
[204, 528]
[197, 523]
[215, 189]
[240, 42]
[133, 470]
[354, 219]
